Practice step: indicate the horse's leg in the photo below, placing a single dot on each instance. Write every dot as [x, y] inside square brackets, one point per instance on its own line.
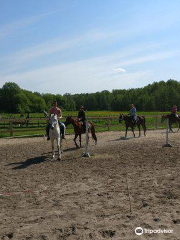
[93, 134]
[139, 127]
[170, 128]
[126, 131]
[80, 140]
[144, 128]
[52, 145]
[61, 144]
[76, 135]
[59, 148]
[132, 128]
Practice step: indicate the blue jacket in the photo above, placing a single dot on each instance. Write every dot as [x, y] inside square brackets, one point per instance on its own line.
[133, 111]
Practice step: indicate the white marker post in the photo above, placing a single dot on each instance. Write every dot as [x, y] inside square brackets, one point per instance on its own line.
[167, 132]
[86, 154]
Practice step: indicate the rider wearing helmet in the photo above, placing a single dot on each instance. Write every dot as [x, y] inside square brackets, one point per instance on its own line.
[82, 116]
[174, 110]
[133, 114]
[57, 111]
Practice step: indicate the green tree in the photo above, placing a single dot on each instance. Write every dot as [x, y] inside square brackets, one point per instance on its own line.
[23, 103]
[9, 92]
[48, 98]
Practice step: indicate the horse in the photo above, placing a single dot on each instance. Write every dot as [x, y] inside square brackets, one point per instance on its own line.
[54, 134]
[80, 129]
[129, 123]
[172, 119]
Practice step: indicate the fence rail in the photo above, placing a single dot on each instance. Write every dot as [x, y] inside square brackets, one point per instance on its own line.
[12, 126]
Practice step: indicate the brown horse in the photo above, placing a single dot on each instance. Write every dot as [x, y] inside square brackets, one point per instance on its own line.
[129, 123]
[80, 129]
[172, 119]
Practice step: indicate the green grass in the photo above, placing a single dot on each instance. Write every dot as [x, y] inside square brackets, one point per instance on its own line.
[88, 113]
[100, 123]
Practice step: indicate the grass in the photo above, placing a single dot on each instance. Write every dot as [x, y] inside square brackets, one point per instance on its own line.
[88, 114]
[101, 124]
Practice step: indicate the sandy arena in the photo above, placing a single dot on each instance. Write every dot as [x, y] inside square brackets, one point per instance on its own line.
[124, 185]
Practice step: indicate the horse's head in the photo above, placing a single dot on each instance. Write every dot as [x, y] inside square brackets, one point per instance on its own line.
[53, 121]
[121, 118]
[68, 120]
[163, 118]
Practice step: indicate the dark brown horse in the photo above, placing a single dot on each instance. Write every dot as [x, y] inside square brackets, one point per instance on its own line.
[172, 119]
[80, 129]
[129, 123]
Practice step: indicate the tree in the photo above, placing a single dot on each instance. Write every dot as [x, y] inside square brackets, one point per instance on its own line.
[22, 102]
[9, 92]
[48, 98]
[70, 105]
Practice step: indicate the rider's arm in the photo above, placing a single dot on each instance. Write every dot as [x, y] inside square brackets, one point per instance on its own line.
[59, 113]
[134, 111]
[50, 112]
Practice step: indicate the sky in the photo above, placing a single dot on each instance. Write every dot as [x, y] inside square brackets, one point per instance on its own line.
[86, 46]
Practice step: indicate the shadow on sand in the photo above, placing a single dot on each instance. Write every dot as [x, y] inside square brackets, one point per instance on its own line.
[122, 138]
[28, 162]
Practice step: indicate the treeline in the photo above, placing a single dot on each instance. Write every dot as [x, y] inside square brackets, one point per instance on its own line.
[159, 96]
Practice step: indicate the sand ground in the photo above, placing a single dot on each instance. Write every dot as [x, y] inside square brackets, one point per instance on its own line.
[123, 185]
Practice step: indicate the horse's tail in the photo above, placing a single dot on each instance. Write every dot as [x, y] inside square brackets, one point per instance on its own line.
[144, 119]
[144, 123]
[93, 132]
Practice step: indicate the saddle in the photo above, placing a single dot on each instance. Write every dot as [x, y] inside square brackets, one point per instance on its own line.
[83, 125]
[134, 122]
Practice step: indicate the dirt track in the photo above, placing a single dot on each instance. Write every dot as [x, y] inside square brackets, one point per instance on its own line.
[125, 184]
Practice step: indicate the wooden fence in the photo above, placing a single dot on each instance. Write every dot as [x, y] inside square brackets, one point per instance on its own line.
[12, 126]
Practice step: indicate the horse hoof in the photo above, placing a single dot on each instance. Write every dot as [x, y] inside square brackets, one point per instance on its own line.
[59, 159]
[62, 151]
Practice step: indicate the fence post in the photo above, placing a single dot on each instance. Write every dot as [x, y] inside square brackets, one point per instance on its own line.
[11, 129]
[167, 139]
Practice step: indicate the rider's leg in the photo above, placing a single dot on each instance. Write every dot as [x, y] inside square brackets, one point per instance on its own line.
[175, 116]
[134, 120]
[47, 131]
[62, 128]
[84, 124]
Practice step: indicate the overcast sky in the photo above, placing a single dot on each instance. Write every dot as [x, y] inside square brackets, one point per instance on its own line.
[62, 46]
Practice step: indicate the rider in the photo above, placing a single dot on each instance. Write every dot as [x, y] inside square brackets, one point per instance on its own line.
[57, 111]
[82, 116]
[133, 114]
[174, 111]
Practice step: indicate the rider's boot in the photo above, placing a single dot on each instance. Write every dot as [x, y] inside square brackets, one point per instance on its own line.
[47, 132]
[63, 136]
[84, 126]
[62, 131]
